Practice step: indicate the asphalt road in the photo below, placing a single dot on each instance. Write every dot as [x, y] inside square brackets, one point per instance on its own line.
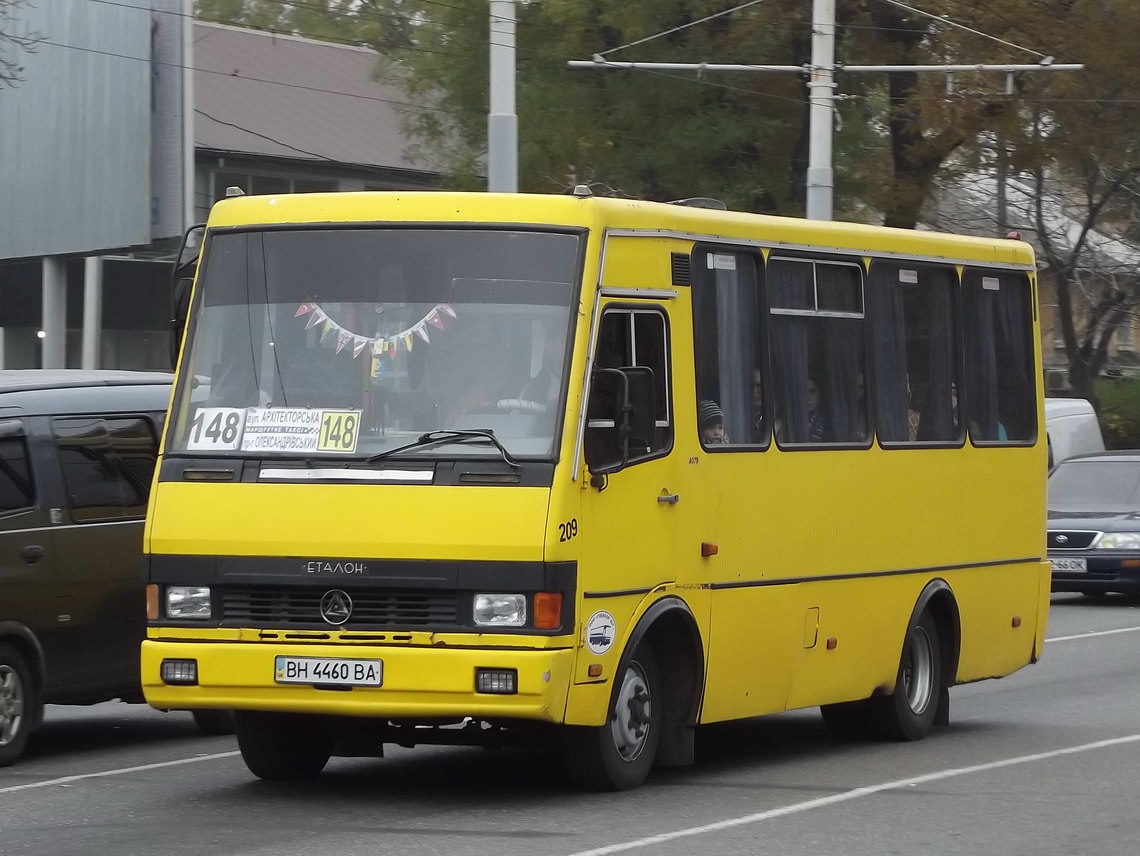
[1044, 762]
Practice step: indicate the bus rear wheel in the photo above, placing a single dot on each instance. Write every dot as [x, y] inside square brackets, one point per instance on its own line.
[618, 756]
[283, 747]
[908, 712]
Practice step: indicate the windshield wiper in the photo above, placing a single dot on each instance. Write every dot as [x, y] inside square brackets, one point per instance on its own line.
[449, 435]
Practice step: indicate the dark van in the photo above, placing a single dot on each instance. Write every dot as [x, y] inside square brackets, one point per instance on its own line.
[77, 452]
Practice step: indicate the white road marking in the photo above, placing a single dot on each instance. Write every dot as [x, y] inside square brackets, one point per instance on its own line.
[846, 796]
[66, 780]
[1092, 633]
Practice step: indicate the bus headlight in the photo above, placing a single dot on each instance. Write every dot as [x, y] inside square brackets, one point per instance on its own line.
[1119, 541]
[500, 610]
[188, 602]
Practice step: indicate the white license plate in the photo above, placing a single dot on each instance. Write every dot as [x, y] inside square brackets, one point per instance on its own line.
[1070, 566]
[328, 670]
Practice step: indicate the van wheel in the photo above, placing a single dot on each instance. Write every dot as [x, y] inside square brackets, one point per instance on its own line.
[619, 755]
[283, 747]
[214, 722]
[908, 713]
[20, 706]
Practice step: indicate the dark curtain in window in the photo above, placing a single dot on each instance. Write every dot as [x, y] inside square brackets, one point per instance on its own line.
[888, 351]
[939, 419]
[1015, 369]
[789, 285]
[981, 366]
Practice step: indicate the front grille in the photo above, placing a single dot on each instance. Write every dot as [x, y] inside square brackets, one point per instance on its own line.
[271, 606]
[1070, 540]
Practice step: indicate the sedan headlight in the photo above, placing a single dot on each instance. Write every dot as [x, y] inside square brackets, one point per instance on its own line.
[500, 610]
[188, 602]
[1119, 541]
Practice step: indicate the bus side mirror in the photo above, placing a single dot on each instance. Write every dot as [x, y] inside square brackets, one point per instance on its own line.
[621, 419]
[181, 284]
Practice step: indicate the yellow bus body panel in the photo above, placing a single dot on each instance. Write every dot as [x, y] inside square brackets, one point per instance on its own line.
[348, 521]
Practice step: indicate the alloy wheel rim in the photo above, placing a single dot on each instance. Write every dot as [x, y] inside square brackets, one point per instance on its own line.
[918, 674]
[632, 714]
[11, 704]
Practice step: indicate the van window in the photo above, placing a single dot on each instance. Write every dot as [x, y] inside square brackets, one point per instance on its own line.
[107, 465]
[15, 473]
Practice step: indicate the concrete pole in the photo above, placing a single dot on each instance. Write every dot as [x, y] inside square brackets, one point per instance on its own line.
[821, 119]
[92, 311]
[502, 122]
[188, 216]
[53, 345]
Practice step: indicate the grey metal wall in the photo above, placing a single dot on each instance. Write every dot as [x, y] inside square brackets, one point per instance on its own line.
[75, 136]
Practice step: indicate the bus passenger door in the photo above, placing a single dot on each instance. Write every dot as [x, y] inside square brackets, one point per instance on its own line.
[632, 512]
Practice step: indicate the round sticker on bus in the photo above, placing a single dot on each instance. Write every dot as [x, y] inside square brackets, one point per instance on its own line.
[600, 632]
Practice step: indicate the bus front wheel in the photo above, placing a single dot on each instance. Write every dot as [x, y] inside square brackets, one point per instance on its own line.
[283, 747]
[908, 713]
[619, 755]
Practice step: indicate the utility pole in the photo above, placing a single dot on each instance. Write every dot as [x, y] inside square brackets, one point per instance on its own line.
[502, 122]
[821, 89]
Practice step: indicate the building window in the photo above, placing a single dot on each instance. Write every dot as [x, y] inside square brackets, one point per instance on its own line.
[259, 184]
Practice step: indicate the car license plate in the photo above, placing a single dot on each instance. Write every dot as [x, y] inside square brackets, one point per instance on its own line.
[1070, 566]
[328, 670]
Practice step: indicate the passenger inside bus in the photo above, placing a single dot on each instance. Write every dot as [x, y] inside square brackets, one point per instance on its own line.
[711, 420]
[817, 430]
[759, 426]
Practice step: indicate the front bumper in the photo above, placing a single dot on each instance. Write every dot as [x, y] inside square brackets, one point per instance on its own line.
[1107, 571]
[418, 681]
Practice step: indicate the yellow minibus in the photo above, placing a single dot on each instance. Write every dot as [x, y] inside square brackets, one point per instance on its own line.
[473, 468]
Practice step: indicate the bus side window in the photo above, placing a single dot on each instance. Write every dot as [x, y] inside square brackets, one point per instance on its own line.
[915, 358]
[726, 331]
[999, 356]
[818, 361]
[628, 337]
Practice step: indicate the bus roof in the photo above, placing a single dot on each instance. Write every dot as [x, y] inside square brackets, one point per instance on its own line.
[372, 207]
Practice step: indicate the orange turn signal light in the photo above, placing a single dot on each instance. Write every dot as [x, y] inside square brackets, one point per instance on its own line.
[152, 602]
[548, 610]
[708, 548]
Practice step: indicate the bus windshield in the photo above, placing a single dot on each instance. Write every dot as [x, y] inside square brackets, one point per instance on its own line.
[353, 341]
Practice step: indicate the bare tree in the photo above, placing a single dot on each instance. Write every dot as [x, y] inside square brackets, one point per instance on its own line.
[14, 40]
[1097, 289]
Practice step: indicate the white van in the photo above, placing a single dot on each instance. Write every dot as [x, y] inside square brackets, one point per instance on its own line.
[1072, 428]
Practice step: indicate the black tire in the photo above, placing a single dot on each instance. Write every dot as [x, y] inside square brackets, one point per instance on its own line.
[618, 756]
[214, 722]
[908, 713]
[847, 720]
[20, 707]
[283, 747]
